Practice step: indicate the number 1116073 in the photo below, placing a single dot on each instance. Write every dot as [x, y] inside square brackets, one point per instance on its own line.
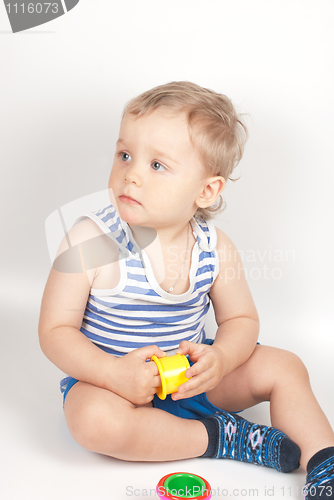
[309, 491]
[33, 8]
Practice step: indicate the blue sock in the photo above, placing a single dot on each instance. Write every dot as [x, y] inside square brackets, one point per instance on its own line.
[231, 436]
[320, 475]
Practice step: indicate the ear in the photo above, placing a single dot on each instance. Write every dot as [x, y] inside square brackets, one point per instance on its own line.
[211, 189]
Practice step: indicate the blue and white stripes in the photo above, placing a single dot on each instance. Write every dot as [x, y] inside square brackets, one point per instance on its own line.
[138, 312]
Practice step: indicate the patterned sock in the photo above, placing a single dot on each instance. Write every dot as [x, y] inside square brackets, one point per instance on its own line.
[231, 436]
[320, 475]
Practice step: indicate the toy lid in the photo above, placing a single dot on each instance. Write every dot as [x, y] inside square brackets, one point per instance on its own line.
[183, 485]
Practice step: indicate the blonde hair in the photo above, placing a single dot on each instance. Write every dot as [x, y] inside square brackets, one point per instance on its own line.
[215, 128]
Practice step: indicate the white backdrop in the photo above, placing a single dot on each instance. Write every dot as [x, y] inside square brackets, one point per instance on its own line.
[62, 89]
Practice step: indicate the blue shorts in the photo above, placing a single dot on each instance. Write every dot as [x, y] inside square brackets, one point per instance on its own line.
[195, 408]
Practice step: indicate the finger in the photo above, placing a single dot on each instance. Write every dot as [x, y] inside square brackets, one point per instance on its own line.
[156, 382]
[195, 385]
[197, 368]
[148, 351]
[190, 348]
[190, 393]
[154, 369]
[185, 347]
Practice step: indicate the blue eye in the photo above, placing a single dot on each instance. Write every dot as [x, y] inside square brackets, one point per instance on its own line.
[157, 166]
[125, 156]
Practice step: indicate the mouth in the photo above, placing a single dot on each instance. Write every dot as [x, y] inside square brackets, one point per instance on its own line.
[129, 200]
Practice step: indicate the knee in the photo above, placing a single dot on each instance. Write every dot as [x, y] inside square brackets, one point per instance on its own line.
[292, 366]
[279, 368]
[92, 426]
[288, 369]
[84, 424]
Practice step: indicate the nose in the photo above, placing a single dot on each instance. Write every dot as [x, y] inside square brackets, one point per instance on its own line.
[133, 174]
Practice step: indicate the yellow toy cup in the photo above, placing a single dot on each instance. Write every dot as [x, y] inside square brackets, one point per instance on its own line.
[172, 373]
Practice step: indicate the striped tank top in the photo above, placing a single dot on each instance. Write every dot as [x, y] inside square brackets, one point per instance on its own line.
[138, 312]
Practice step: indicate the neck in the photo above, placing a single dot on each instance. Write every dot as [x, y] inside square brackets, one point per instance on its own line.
[167, 236]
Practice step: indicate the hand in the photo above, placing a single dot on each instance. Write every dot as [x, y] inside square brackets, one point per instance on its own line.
[207, 371]
[135, 379]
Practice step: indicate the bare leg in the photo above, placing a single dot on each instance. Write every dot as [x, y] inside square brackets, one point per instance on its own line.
[280, 377]
[103, 422]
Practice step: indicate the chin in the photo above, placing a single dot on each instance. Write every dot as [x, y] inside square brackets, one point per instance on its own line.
[130, 217]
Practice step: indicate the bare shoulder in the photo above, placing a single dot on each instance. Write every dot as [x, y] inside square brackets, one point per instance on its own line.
[82, 252]
[85, 248]
[86, 229]
[226, 249]
[230, 293]
[222, 237]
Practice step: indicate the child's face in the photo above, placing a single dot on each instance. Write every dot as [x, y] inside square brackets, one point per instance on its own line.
[157, 174]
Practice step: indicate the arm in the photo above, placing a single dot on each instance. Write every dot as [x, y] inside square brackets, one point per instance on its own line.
[62, 309]
[237, 321]
[61, 340]
[235, 311]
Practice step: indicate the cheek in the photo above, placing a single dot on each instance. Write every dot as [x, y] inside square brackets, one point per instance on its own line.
[113, 177]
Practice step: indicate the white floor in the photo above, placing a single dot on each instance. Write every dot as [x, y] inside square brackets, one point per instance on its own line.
[40, 461]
